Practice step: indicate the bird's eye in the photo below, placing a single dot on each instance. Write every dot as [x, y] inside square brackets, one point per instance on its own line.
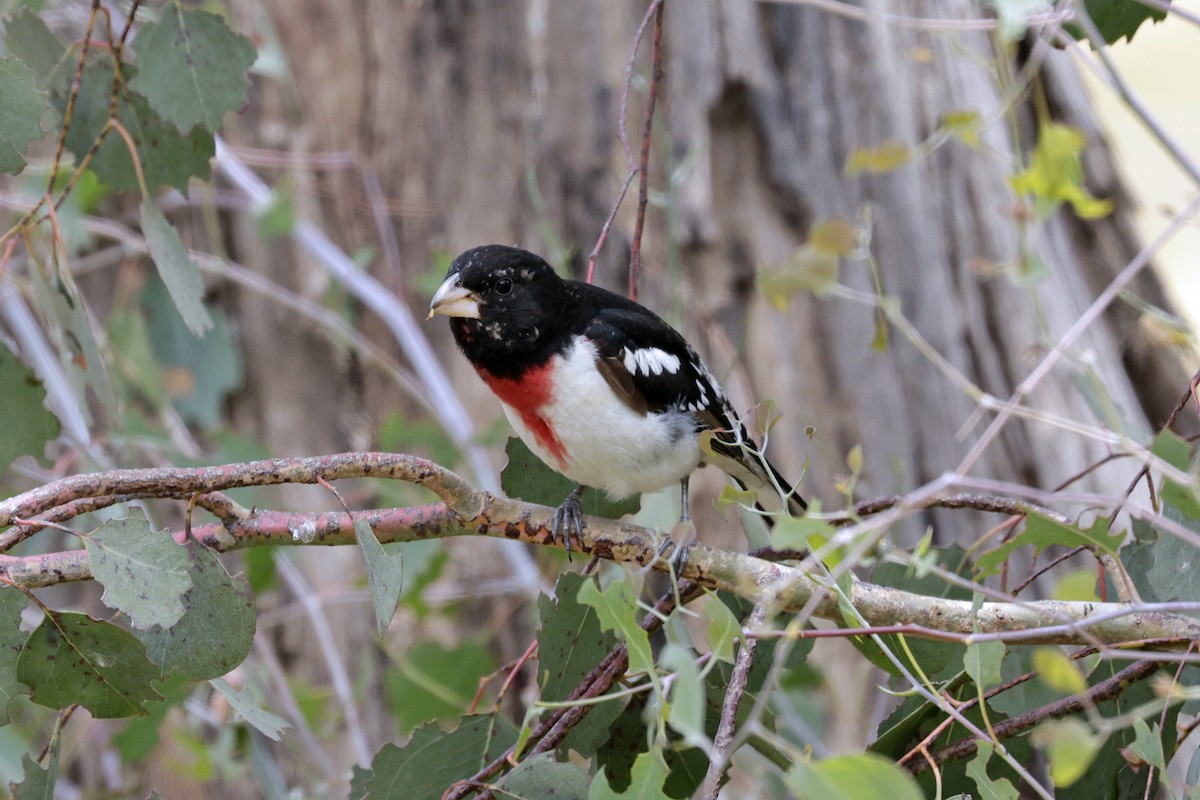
[504, 286]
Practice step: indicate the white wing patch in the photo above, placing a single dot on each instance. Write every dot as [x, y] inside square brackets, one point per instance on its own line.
[650, 361]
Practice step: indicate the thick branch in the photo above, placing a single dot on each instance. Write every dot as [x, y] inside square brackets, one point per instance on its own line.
[466, 511]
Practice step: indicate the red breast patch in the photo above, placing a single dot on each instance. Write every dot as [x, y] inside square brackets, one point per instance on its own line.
[527, 395]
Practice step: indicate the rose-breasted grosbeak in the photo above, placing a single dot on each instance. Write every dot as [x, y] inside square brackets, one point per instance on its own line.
[598, 386]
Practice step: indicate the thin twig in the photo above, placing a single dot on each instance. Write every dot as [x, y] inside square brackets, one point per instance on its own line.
[656, 74]
[723, 740]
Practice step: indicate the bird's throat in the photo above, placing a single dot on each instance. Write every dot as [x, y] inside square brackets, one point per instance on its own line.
[527, 394]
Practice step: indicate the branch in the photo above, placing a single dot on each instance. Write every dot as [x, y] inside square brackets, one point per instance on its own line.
[463, 511]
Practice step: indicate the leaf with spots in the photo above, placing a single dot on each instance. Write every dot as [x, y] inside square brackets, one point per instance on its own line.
[543, 777]
[12, 639]
[71, 658]
[192, 67]
[216, 630]
[527, 478]
[144, 573]
[570, 645]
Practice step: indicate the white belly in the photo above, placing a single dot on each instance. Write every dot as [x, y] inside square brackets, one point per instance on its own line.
[608, 445]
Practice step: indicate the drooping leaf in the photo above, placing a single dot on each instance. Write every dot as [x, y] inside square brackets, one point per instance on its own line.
[385, 574]
[216, 630]
[431, 760]
[71, 658]
[686, 700]
[21, 107]
[178, 271]
[723, 628]
[1147, 744]
[617, 612]
[27, 424]
[145, 573]
[12, 639]
[39, 781]
[192, 68]
[250, 710]
[432, 682]
[526, 478]
[989, 788]
[863, 777]
[167, 157]
[540, 777]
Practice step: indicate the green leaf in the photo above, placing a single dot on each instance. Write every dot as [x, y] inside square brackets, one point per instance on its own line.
[71, 658]
[570, 644]
[141, 735]
[809, 270]
[722, 630]
[1058, 671]
[216, 631]
[144, 573]
[964, 125]
[527, 478]
[540, 777]
[1154, 564]
[1041, 532]
[1055, 174]
[192, 68]
[27, 37]
[989, 788]
[178, 271]
[167, 157]
[1178, 453]
[247, 706]
[1116, 19]
[432, 760]
[863, 777]
[38, 783]
[887, 157]
[27, 424]
[199, 373]
[617, 610]
[12, 639]
[686, 705]
[982, 663]
[1070, 747]
[1147, 744]
[646, 781]
[433, 682]
[385, 574]
[21, 107]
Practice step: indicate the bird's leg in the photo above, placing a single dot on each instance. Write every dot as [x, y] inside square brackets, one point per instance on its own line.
[682, 535]
[568, 519]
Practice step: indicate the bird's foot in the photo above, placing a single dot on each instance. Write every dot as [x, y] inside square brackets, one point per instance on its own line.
[678, 544]
[568, 520]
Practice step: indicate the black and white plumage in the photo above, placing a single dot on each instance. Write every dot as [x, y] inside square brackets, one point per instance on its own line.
[599, 387]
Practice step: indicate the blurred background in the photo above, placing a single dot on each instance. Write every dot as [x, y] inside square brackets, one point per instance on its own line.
[384, 138]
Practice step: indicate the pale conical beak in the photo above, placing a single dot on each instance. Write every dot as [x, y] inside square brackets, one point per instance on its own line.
[452, 300]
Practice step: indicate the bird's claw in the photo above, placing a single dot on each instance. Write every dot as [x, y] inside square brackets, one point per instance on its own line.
[568, 520]
[679, 545]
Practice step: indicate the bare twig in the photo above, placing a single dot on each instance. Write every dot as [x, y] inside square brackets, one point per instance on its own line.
[723, 741]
